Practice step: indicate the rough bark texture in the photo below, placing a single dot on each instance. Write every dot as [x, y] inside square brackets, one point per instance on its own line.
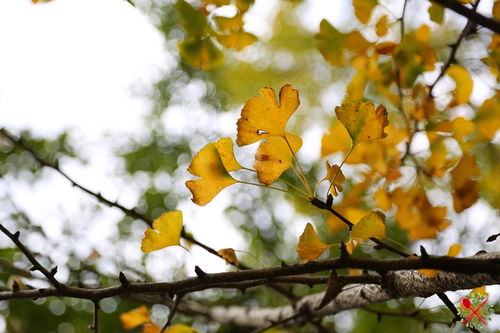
[396, 284]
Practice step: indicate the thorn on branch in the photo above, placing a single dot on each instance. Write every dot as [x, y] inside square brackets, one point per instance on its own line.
[492, 238]
[329, 200]
[199, 272]
[33, 268]
[423, 252]
[16, 235]
[123, 280]
[53, 271]
[15, 286]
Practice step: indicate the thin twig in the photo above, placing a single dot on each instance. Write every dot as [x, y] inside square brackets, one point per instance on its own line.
[36, 264]
[95, 324]
[172, 312]
[454, 48]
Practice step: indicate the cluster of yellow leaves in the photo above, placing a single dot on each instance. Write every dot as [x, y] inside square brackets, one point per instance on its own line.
[416, 214]
[200, 48]
[262, 118]
[310, 247]
[140, 316]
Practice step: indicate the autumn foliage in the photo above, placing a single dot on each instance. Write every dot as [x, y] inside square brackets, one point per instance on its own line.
[412, 127]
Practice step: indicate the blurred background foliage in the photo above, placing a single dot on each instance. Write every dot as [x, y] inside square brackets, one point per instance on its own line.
[209, 102]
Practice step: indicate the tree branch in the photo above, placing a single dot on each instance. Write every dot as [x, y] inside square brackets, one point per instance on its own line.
[36, 264]
[457, 7]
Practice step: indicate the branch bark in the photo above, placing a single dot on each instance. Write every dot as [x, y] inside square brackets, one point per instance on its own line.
[457, 7]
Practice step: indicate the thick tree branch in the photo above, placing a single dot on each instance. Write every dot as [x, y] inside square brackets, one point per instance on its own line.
[486, 264]
[399, 284]
[457, 7]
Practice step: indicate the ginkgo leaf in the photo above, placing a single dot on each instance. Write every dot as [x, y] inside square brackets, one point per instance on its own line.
[334, 174]
[263, 116]
[382, 199]
[363, 9]
[201, 53]
[454, 250]
[480, 290]
[190, 19]
[332, 43]
[371, 225]
[274, 156]
[436, 13]
[229, 256]
[488, 118]
[337, 139]
[362, 120]
[463, 83]
[229, 24]
[217, 3]
[135, 317]
[386, 48]
[416, 215]
[310, 247]
[180, 328]
[166, 231]
[496, 10]
[225, 149]
[208, 165]
[465, 188]
[151, 328]
[351, 244]
[382, 26]
[238, 40]
[423, 33]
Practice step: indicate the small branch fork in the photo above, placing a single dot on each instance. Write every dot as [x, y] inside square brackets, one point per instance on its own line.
[488, 22]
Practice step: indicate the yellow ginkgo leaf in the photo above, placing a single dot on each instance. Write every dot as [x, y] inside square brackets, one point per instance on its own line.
[150, 328]
[209, 166]
[166, 231]
[310, 247]
[463, 83]
[382, 26]
[337, 139]
[454, 250]
[229, 24]
[423, 33]
[371, 225]
[201, 53]
[480, 290]
[465, 188]
[180, 328]
[238, 40]
[363, 9]
[274, 156]
[229, 256]
[351, 244]
[430, 273]
[262, 116]
[436, 13]
[382, 199]
[488, 118]
[363, 121]
[335, 176]
[135, 317]
[225, 149]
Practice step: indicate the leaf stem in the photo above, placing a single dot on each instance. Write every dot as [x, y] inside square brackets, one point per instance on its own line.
[272, 187]
[340, 167]
[302, 176]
